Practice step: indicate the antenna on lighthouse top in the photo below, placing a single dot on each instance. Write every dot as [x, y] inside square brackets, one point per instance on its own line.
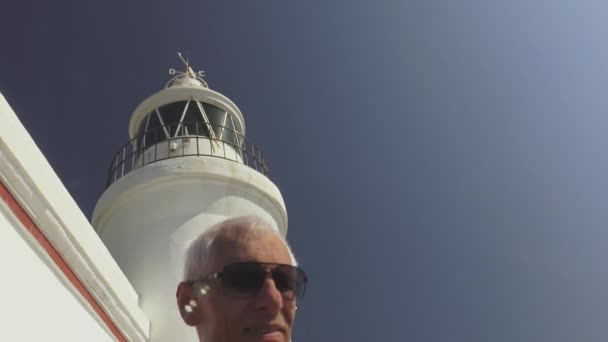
[187, 63]
[188, 76]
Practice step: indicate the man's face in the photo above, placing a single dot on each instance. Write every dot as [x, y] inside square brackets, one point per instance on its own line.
[266, 316]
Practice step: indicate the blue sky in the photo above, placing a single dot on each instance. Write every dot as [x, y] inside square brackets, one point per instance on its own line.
[443, 163]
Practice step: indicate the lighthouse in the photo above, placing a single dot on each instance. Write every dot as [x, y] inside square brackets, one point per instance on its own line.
[187, 166]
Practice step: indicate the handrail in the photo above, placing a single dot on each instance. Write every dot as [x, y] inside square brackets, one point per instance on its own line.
[166, 140]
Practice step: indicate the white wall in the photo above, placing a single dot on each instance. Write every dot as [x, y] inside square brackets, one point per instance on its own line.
[25, 280]
[34, 303]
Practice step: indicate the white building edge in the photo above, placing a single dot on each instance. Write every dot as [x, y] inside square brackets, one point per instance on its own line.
[72, 282]
[60, 281]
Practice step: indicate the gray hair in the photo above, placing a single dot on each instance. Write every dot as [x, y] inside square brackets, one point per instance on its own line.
[200, 251]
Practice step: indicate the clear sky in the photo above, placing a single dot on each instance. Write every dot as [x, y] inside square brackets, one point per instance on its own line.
[443, 163]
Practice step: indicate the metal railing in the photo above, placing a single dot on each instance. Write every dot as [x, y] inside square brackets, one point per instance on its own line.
[178, 140]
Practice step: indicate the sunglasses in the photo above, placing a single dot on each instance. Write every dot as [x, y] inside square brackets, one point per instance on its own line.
[246, 279]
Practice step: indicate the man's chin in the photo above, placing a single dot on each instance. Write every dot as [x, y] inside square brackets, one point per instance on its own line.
[274, 336]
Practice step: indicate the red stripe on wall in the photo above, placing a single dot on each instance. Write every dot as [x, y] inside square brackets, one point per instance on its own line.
[31, 227]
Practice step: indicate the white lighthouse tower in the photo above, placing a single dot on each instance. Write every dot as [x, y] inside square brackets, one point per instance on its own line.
[187, 167]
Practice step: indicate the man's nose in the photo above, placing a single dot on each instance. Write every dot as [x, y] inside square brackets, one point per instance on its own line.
[269, 298]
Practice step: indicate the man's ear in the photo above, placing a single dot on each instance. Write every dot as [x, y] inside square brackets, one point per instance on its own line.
[191, 314]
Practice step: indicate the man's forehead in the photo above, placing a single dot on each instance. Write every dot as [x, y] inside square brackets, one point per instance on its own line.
[263, 246]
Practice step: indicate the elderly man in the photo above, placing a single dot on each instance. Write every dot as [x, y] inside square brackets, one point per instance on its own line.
[240, 283]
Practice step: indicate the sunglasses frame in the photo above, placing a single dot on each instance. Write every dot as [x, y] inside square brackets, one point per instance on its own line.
[300, 274]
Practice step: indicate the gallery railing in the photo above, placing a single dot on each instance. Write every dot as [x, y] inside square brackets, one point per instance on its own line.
[185, 140]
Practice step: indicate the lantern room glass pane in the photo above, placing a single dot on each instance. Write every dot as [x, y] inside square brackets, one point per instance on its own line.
[229, 134]
[155, 132]
[193, 115]
[192, 123]
[216, 117]
[171, 114]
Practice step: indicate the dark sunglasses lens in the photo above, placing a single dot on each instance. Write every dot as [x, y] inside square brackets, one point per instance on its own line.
[243, 279]
[284, 278]
[289, 280]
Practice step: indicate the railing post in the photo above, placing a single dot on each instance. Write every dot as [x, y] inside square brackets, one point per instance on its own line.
[196, 129]
[122, 167]
[245, 154]
[224, 148]
[109, 180]
[116, 167]
[155, 142]
[255, 160]
[249, 156]
[260, 160]
[133, 149]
